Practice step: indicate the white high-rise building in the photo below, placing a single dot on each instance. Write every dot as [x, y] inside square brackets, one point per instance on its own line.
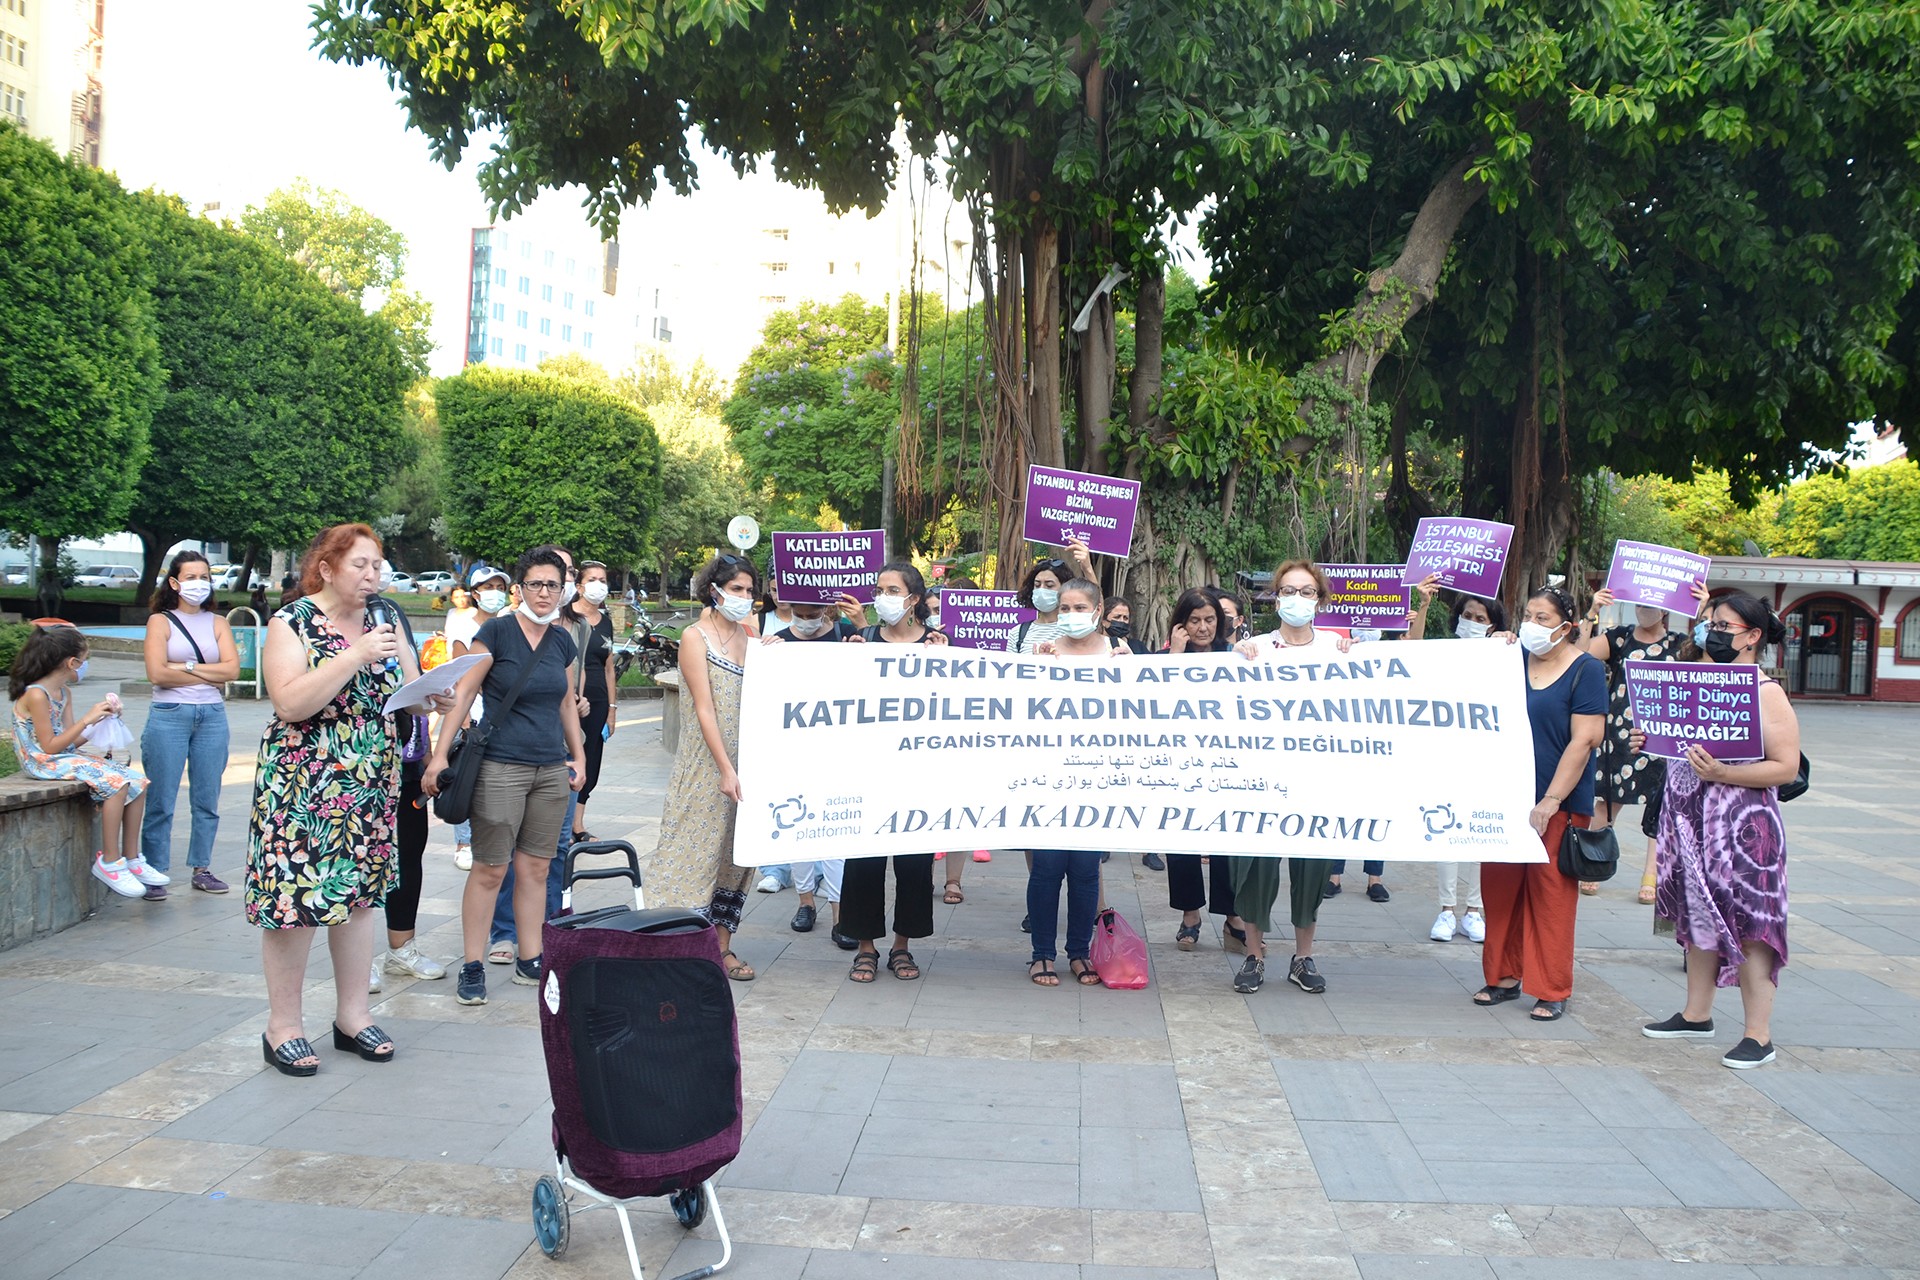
[50, 84]
[531, 295]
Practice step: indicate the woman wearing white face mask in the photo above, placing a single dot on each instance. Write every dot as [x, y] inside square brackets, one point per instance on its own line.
[190, 656]
[487, 597]
[1472, 619]
[1626, 777]
[601, 719]
[900, 598]
[1040, 592]
[693, 864]
[1530, 905]
[533, 758]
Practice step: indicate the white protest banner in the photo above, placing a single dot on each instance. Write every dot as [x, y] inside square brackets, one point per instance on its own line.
[1416, 752]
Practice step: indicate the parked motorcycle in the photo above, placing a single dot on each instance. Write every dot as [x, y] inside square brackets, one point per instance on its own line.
[654, 651]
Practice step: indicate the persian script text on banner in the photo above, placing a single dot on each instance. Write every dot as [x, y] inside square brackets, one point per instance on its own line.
[1418, 752]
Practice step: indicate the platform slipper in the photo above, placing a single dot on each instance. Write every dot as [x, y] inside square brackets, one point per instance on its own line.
[286, 1058]
[367, 1044]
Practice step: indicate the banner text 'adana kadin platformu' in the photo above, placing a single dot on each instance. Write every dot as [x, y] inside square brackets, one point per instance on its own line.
[1416, 752]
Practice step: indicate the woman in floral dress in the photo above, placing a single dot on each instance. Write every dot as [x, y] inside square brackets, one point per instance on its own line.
[320, 841]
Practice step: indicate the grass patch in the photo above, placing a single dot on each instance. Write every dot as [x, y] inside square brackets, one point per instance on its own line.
[9, 763]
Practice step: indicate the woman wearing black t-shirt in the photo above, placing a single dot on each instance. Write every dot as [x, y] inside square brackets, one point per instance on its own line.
[900, 598]
[1196, 629]
[596, 680]
[534, 756]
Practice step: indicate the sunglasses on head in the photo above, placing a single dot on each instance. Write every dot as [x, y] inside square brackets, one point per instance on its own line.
[1056, 565]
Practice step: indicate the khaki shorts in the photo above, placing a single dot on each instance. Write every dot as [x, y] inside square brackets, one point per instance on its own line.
[517, 806]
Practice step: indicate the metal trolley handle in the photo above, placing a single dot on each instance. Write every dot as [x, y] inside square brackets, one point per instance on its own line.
[594, 847]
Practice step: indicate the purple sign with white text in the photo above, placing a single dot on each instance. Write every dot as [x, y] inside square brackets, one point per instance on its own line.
[1469, 555]
[818, 568]
[1369, 596]
[1097, 508]
[1680, 704]
[981, 619]
[1656, 576]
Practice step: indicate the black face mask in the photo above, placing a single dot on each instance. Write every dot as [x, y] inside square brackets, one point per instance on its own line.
[1720, 646]
[1119, 630]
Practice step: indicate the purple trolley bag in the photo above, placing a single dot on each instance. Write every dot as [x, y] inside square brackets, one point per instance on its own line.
[643, 1059]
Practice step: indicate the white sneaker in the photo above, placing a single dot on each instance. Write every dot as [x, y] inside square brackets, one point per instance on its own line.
[463, 857]
[146, 874]
[117, 877]
[769, 884]
[1443, 926]
[408, 959]
[373, 979]
[1474, 925]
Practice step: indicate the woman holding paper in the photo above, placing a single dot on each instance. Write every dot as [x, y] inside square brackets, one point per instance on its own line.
[1195, 629]
[1530, 905]
[900, 598]
[1722, 879]
[1626, 776]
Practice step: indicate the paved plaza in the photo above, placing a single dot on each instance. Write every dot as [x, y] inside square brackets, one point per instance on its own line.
[973, 1125]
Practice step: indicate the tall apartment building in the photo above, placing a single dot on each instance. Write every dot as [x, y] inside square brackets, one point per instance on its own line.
[50, 72]
[530, 296]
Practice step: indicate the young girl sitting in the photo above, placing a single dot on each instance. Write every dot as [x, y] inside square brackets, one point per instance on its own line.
[53, 659]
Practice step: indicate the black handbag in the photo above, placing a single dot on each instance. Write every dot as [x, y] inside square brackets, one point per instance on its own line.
[454, 804]
[1801, 781]
[1589, 856]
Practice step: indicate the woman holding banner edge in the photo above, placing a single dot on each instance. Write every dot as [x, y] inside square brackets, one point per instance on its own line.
[1195, 628]
[1530, 905]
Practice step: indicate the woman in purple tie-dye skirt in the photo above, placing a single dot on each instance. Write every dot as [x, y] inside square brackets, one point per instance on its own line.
[1722, 877]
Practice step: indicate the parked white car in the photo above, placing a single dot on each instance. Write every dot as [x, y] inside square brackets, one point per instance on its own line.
[108, 575]
[435, 583]
[403, 584]
[15, 575]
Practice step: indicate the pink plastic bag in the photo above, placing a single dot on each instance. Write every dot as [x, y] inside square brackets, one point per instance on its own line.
[1119, 955]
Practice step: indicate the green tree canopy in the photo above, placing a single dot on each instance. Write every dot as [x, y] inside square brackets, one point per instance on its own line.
[80, 367]
[537, 457]
[283, 410]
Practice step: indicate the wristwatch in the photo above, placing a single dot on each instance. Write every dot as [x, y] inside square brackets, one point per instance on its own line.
[191, 664]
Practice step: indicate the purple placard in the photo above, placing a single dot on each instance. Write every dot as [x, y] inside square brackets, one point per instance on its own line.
[1678, 704]
[1098, 508]
[981, 619]
[817, 568]
[1469, 555]
[1364, 595]
[1656, 576]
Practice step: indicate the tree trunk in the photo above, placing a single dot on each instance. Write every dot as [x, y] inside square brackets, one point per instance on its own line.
[253, 557]
[1149, 356]
[52, 594]
[153, 552]
[1405, 505]
[1046, 441]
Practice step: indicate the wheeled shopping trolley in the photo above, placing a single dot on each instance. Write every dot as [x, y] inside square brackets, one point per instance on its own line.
[643, 1058]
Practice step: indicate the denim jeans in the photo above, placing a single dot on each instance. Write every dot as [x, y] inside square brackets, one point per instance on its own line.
[503, 927]
[193, 736]
[781, 872]
[1081, 870]
[1371, 867]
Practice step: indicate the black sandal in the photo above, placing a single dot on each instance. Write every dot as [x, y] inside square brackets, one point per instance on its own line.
[1084, 972]
[1553, 1008]
[1496, 994]
[286, 1058]
[866, 967]
[1187, 937]
[367, 1044]
[900, 964]
[1040, 973]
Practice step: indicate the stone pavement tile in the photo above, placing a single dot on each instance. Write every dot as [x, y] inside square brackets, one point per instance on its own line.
[1896, 1158]
[1572, 1231]
[397, 1137]
[36, 1161]
[1331, 1091]
[439, 1248]
[892, 1041]
[1372, 1162]
[264, 1233]
[1116, 1049]
[1140, 1097]
[1400, 1266]
[795, 1151]
[80, 1075]
[118, 1261]
[938, 1139]
[457, 1190]
[980, 1045]
[882, 1266]
[170, 1164]
[1004, 1233]
[309, 1177]
[1497, 1143]
[997, 1182]
[1428, 1229]
[1743, 1236]
[1701, 1172]
[793, 1219]
[258, 1107]
[1278, 1248]
[528, 1146]
[1481, 1182]
[1621, 1098]
[67, 1224]
[12, 1122]
[1137, 1168]
[1877, 1239]
[1835, 1102]
[164, 1093]
[1611, 1269]
[1170, 1241]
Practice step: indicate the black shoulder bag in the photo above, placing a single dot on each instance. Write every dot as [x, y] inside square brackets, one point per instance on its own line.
[1801, 781]
[455, 801]
[1588, 856]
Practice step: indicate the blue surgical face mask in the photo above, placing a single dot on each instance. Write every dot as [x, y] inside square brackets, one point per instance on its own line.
[1700, 634]
[1045, 599]
[81, 672]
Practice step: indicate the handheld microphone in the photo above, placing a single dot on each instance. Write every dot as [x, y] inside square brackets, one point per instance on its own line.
[384, 613]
